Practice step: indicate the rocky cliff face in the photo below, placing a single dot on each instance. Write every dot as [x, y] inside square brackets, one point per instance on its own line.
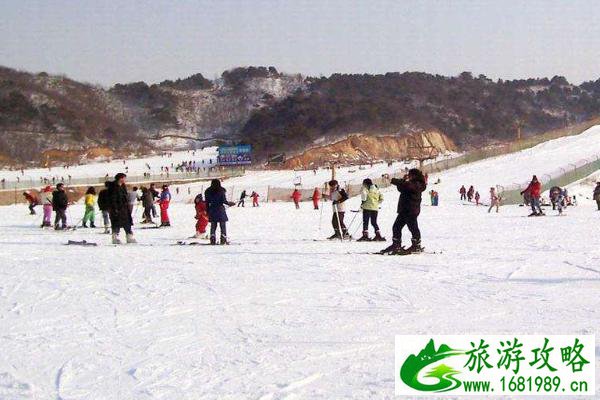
[359, 148]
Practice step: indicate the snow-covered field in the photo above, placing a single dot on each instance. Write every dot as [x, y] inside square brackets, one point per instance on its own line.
[277, 314]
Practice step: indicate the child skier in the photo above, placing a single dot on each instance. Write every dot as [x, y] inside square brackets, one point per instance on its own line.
[411, 188]
[32, 200]
[463, 193]
[46, 199]
[338, 196]
[316, 196]
[561, 199]
[242, 201]
[494, 200]
[165, 199]
[477, 198]
[296, 196]
[254, 197]
[104, 205]
[371, 199]
[90, 201]
[201, 216]
[470, 193]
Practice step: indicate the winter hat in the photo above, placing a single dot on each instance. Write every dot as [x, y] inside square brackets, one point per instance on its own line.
[368, 182]
[119, 176]
[333, 183]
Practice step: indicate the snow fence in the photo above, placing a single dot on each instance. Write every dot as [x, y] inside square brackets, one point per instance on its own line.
[511, 194]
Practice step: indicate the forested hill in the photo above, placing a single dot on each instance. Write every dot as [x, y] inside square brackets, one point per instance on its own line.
[276, 112]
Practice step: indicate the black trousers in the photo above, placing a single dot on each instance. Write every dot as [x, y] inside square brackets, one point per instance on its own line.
[222, 226]
[370, 216]
[61, 215]
[411, 222]
[117, 227]
[336, 226]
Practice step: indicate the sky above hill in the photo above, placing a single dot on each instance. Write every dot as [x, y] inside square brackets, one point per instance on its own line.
[121, 41]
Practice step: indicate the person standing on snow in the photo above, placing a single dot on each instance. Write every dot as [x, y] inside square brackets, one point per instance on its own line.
[164, 201]
[60, 203]
[46, 199]
[155, 195]
[338, 197]
[561, 199]
[463, 193]
[201, 216]
[32, 200]
[120, 217]
[90, 202]
[254, 197]
[494, 200]
[242, 201]
[470, 194]
[132, 198]
[534, 189]
[596, 194]
[316, 196]
[371, 199]
[104, 206]
[148, 204]
[411, 188]
[215, 205]
[477, 198]
[296, 196]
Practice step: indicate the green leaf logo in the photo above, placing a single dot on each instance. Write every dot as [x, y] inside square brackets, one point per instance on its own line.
[409, 372]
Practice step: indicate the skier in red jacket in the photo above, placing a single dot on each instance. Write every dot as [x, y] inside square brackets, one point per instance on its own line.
[255, 197]
[296, 196]
[316, 196]
[535, 191]
[201, 216]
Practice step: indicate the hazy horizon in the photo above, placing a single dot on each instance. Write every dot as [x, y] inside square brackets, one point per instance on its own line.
[108, 42]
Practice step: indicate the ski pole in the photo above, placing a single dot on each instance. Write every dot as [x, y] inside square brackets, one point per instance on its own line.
[352, 221]
[337, 216]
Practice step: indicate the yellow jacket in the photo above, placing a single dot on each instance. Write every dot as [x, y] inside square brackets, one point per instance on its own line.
[90, 200]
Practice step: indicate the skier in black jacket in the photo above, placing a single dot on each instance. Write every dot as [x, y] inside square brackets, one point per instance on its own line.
[59, 204]
[409, 207]
[118, 208]
[103, 205]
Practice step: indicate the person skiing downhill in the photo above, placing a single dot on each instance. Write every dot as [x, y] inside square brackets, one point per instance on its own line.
[411, 188]
[254, 197]
[534, 190]
[242, 201]
[463, 193]
[165, 200]
[596, 194]
[338, 197]
[104, 205]
[216, 201]
[60, 203]
[46, 200]
[118, 208]
[296, 197]
[316, 196]
[90, 202]
[32, 200]
[494, 200]
[201, 216]
[371, 199]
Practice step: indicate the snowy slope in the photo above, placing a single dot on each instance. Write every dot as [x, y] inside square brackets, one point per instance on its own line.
[280, 315]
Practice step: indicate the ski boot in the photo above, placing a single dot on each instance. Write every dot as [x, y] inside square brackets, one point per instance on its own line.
[364, 237]
[415, 247]
[92, 225]
[378, 237]
[130, 239]
[213, 240]
[533, 214]
[84, 225]
[224, 240]
[58, 228]
[393, 248]
[115, 238]
[106, 230]
[334, 236]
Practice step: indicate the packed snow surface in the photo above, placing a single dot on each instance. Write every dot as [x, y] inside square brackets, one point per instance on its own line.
[277, 314]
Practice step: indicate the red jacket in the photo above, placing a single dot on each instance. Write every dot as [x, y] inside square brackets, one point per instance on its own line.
[316, 195]
[296, 196]
[534, 189]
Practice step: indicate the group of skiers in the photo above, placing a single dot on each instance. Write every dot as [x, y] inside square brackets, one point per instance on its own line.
[254, 196]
